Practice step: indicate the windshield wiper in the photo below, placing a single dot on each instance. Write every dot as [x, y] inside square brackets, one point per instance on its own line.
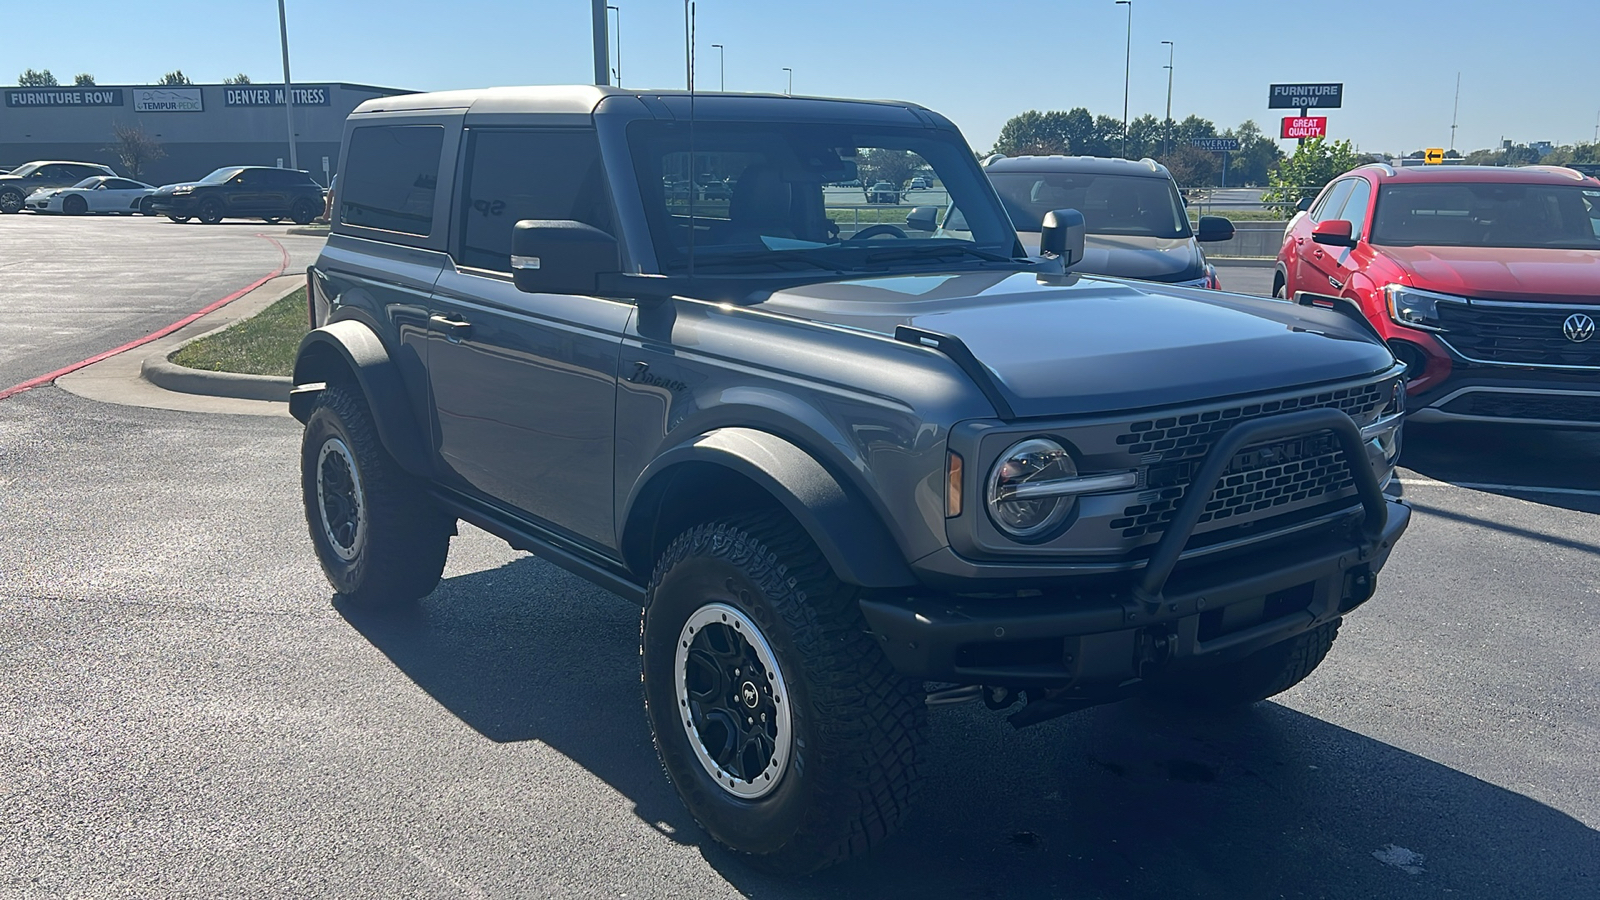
[936, 252]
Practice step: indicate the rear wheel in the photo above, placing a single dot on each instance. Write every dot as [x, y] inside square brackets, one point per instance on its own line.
[778, 718]
[74, 205]
[303, 211]
[11, 201]
[146, 208]
[272, 220]
[210, 211]
[381, 540]
[1256, 677]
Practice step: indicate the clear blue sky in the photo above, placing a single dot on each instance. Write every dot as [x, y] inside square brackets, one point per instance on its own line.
[1529, 70]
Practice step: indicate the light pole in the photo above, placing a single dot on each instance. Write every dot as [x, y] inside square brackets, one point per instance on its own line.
[602, 46]
[288, 87]
[1127, 71]
[722, 67]
[617, 71]
[790, 91]
[1166, 145]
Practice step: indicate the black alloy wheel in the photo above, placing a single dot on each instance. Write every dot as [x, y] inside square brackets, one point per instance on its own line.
[146, 207]
[272, 220]
[179, 219]
[210, 211]
[11, 201]
[304, 211]
[74, 205]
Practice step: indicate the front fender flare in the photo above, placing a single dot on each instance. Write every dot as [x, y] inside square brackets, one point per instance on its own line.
[349, 348]
[839, 521]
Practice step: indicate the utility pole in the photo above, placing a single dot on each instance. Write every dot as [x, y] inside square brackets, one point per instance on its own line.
[288, 87]
[1166, 145]
[617, 70]
[1127, 72]
[1454, 112]
[722, 67]
[602, 50]
[790, 91]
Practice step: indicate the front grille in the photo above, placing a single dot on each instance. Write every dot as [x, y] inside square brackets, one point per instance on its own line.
[1516, 335]
[1300, 470]
[1547, 407]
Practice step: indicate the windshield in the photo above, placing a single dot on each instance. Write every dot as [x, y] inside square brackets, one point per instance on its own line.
[1111, 204]
[1487, 215]
[25, 169]
[767, 196]
[220, 175]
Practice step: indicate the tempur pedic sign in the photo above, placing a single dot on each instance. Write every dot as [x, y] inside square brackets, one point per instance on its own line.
[168, 99]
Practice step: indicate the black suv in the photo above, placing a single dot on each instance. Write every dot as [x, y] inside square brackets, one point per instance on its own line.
[16, 185]
[242, 192]
[849, 470]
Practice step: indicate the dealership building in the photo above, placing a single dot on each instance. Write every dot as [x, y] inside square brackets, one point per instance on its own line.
[199, 127]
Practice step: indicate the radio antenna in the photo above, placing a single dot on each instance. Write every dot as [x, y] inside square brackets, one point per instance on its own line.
[694, 187]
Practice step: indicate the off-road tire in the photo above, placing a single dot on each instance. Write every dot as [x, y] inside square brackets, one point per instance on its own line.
[303, 211]
[74, 206]
[858, 726]
[12, 201]
[210, 211]
[398, 556]
[1258, 676]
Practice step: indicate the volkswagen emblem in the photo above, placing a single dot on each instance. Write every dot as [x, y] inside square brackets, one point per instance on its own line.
[1578, 328]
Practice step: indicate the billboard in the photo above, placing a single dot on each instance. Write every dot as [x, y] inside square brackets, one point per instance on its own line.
[1304, 127]
[168, 99]
[60, 96]
[1305, 96]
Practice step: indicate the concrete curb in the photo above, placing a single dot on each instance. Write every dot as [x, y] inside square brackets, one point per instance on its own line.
[311, 230]
[167, 375]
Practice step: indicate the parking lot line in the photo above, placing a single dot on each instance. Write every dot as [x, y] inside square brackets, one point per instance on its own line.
[1499, 488]
[49, 377]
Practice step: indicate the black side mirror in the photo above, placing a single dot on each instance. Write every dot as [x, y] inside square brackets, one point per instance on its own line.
[923, 218]
[1304, 204]
[560, 256]
[1214, 228]
[1061, 236]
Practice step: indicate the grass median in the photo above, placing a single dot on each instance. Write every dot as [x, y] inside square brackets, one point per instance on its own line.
[263, 344]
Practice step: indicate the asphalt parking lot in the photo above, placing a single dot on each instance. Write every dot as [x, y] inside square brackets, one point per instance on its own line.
[188, 713]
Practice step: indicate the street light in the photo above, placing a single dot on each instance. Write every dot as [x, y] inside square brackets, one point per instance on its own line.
[722, 67]
[1166, 145]
[288, 87]
[790, 91]
[1127, 70]
[617, 71]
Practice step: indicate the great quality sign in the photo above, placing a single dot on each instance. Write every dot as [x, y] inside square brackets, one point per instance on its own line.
[168, 100]
[301, 94]
[1304, 127]
[1305, 96]
[64, 97]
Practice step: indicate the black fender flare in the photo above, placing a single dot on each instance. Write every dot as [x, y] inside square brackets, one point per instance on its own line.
[350, 346]
[839, 521]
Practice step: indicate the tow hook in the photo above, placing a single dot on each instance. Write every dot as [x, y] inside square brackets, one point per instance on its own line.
[1155, 646]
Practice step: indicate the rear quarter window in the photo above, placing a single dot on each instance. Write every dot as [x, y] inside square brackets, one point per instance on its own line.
[390, 176]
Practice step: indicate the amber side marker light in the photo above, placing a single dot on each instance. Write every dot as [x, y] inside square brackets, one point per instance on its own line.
[952, 491]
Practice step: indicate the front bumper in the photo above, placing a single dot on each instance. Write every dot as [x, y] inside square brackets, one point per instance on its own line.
[1512, 396]
[1102, 637]
[172, 204]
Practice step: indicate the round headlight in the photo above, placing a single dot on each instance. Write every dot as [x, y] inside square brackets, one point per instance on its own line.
[1033, 460]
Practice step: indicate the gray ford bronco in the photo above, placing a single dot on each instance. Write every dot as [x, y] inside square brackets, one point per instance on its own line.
[850, 467]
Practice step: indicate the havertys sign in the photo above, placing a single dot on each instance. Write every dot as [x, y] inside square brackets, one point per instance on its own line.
[1305, 96]
[250, 95]
[1304, 127]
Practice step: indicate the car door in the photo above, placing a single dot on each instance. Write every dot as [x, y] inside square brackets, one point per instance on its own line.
[119, 195]
[1303, 275]
[1334, 265]
[246, 194]
[524, 385]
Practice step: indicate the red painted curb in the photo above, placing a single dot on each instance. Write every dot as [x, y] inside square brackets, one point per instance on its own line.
[42, 380]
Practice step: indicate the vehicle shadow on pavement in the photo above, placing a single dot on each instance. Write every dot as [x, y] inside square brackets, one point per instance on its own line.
[1493, 455]
[1126, 801]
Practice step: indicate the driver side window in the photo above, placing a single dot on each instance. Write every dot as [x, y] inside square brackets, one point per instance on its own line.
[1332, 201]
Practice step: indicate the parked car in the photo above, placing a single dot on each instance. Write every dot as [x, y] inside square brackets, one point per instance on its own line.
[831, 470]
[883, 192]
[100, 194]
[919, 184]
[242, 192]
[1482, 280]
[1137, 224]
[16, 185]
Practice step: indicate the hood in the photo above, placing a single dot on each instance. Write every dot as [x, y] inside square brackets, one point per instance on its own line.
[1122, 256]
[1501, 273]
[1068, 345]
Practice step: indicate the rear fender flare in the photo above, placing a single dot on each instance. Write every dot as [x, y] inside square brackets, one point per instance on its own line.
[841, 523]
[351, 350]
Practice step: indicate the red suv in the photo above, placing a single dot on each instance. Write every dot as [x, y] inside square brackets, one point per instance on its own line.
[1484, 281]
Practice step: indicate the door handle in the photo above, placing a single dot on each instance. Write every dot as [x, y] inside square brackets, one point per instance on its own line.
[455, 330]
[1317, 253]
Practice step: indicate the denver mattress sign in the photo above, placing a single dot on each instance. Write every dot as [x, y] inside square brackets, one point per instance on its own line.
[303, 95]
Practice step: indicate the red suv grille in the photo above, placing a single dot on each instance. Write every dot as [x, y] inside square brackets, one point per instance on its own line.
[1517, 335]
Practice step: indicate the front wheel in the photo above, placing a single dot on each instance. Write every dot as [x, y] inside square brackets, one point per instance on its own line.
[1256, 677]
[381, 541]
[74, 206]
[179, 219]
[210, 211]
[778, 718]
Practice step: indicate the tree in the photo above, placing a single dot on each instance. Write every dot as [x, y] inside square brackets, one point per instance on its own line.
[43, 78]
[174, 78]
[893, 166]
[83, 79]
[1308, 171]
[1144, 137]
[1190, 166]
[1035, 133]
[1256, 157]
[134, 148]
[240, 78]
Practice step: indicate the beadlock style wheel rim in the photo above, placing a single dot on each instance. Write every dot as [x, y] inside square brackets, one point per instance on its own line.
[340, 502]
[732, 701]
